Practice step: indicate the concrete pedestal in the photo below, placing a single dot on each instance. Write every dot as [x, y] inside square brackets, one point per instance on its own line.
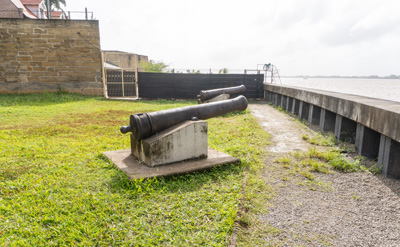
[137, 170]
[184, 141]
[217, 98]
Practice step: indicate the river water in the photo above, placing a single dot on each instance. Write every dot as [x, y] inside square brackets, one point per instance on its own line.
[388, 89]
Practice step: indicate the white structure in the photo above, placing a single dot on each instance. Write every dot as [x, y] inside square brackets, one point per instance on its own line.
[185, 141]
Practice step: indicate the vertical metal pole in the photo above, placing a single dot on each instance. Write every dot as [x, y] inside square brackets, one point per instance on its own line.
[86, 13]
[69, 15]
[272, 74]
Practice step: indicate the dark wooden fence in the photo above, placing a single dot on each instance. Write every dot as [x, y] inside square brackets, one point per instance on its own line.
[187, 86]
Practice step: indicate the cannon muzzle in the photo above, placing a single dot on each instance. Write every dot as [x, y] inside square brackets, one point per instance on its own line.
[144, 125]
[208, 94]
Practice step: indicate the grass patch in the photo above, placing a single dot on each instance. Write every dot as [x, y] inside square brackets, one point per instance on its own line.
[337, 161]
[56, 187]
[355, 197]
[321, 139]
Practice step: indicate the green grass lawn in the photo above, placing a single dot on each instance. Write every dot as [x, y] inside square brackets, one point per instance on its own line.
[57, 188]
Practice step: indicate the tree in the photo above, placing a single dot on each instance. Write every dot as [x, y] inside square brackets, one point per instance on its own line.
[57, 4]
[193, 71]
[54, 5]
[153, 66]
[223, 71]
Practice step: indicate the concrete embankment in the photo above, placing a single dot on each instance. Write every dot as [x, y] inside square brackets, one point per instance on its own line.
[373, 125]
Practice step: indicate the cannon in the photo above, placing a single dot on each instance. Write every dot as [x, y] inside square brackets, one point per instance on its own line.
[207, 95]
[176, 135]
[143, 125]
[174, 141]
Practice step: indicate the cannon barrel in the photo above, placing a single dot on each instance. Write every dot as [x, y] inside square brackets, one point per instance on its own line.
[144, 125]
[208, 94]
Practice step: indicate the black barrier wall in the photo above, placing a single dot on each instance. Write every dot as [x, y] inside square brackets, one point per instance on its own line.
[188, 86]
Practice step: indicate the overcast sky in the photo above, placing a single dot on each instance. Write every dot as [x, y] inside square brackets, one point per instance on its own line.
[308, 37]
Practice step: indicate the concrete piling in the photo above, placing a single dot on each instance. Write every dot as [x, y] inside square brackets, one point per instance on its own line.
[373, 125]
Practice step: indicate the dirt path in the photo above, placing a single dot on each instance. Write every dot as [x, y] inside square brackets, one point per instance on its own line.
[286, 133]
[348, 209]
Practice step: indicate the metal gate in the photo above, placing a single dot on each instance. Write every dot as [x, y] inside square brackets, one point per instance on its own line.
[121, 83]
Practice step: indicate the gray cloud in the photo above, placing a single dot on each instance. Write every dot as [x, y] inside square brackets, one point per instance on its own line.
[300, 37]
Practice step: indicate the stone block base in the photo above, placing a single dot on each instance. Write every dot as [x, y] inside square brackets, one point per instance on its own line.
[217, 98]
[184, 141]
[137, 170]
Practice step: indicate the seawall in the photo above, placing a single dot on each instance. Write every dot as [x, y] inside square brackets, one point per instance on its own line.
[373, 125]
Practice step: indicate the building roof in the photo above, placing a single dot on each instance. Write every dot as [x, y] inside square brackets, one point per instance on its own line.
[31, 2]
[123, 52]
[26, 12]
[115, 51]
[56, 14]
[110, 66]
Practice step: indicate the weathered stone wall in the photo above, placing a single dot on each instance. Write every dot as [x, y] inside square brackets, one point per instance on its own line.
[49, 55]
[124, 60]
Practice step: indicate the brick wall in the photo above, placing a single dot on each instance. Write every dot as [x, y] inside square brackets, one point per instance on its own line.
[48, 55]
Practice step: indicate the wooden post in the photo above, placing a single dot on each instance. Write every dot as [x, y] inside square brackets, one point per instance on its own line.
[105, 92]
[122, 79]
[136, 83]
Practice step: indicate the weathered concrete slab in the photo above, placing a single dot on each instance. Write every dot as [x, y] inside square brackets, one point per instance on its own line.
[184, 141]
[136, 170]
